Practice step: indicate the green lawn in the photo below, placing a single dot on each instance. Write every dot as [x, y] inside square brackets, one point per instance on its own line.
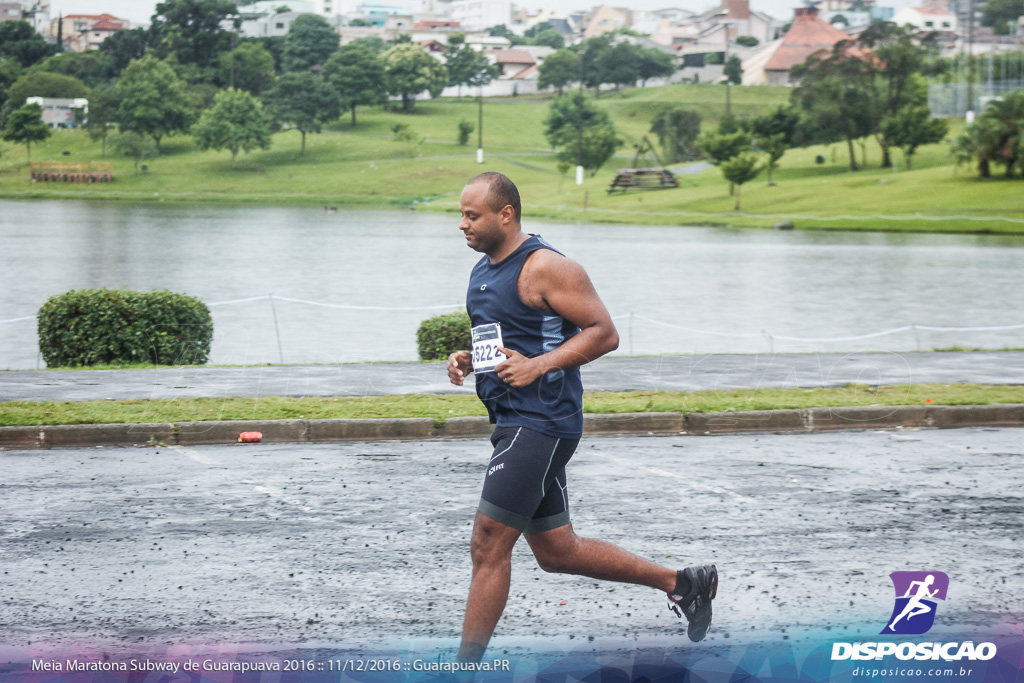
[443, 406]
[363, 166]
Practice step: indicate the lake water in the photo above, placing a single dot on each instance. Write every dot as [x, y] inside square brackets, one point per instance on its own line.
[766, 284]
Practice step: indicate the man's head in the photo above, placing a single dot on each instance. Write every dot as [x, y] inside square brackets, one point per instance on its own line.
[491, 212]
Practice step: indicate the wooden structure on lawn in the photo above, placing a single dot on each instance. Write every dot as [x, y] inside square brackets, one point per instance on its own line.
[72, 172]
[639, 178]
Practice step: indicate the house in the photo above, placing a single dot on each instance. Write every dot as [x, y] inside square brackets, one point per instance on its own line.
[740, 20]
[513, 62]
[476, 15]
[62, 113]
[81, 32]
[808, 34]
[604, 19]
[927, 18]
[11, 11]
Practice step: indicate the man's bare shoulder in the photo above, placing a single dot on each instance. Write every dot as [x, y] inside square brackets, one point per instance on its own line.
[548, 264]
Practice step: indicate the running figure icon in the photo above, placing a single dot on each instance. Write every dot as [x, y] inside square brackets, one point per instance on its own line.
[914, 605]
[917, 595]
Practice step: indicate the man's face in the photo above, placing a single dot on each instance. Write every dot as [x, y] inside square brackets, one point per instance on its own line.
[480, 223]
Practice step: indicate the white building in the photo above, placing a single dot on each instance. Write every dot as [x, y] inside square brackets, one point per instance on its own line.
[61, 113]
[926, 18]
[476, 15]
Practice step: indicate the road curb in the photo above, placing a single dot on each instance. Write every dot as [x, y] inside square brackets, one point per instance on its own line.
[697, 424]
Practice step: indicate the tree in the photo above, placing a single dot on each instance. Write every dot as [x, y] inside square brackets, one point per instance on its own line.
[677, 129]
[783, 121]
[124, 46]
[152, 100]
[25, 124]
[191, 30]
[558, 70]
[500, 31]
[733, 70]
[655, 64]
[619, 64]
[551, 38]
[911, 128]
[775, 147]
[739, 170]
[134, 145]
[248, 67]
[466, 66]
[10, 71]
[1007, 115]
[19, 41]
[900, 57]
[310, 42]
[592, 51]
[45, 84]
[747, 41]
[92, 67]
[837, 97]
[102, 114]
[599, 138]
[304, 100]
[721, 147]
[357, 74]
[410, 71]
[999, 14]
[236, 122]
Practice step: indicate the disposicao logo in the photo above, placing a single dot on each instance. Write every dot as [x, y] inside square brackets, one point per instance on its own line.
[916, 596]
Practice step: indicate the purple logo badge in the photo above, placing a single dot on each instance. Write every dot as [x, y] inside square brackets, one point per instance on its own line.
[917, 594]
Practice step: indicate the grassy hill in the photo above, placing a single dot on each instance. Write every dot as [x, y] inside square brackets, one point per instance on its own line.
[364, 166]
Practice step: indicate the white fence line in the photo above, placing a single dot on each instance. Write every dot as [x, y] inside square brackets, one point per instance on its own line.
[631, 317]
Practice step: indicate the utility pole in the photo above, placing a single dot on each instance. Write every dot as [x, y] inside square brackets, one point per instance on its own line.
[970, 63]
[480, 127]
[579, 126]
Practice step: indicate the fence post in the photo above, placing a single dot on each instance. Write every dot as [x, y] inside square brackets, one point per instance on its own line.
[631, 333]
[917, 340]
[277, 329]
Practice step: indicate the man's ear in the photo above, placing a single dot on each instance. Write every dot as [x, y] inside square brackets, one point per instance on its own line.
[507, 213]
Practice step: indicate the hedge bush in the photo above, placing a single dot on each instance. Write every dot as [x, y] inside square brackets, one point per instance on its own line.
[120, 326]
[439, 336]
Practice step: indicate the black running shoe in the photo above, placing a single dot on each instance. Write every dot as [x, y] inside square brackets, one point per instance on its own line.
[696, 604]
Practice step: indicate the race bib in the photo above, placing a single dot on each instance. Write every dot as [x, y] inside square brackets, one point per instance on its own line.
[486, 340]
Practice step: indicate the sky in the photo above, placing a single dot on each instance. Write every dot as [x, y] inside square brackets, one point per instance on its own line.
[139, 11]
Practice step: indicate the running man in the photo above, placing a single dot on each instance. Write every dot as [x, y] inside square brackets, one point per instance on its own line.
[914, 606]
[536, 318]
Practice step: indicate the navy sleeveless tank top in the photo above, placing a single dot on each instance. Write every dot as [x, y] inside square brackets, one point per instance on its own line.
[552, 404]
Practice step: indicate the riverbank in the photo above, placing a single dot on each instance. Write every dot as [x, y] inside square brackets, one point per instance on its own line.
[364, 167]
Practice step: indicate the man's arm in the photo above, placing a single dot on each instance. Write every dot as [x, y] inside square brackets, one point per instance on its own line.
[550, 282]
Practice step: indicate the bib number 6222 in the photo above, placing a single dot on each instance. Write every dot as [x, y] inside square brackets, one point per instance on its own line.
[486, 340]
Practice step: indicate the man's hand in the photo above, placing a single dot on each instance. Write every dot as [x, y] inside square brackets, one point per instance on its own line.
[518, 370]
[460, 364]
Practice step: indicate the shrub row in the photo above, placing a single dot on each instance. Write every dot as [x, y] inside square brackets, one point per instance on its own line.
[439, 336]
[115, 326]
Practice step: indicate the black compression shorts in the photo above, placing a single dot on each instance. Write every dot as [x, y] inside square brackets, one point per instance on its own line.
[524, 487]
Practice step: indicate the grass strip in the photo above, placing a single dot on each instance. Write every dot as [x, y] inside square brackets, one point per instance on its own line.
[444, 406]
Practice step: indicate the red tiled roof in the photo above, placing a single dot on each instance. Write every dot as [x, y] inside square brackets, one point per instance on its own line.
[807, 35]
[930, 10]
[106, 25]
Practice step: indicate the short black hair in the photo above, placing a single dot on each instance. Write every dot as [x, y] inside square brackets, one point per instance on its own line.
[503, 192]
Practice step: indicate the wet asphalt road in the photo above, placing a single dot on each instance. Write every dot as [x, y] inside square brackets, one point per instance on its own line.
[351, 545]
[615, 373]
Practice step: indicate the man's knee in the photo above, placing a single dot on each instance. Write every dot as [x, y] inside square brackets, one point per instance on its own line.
[555, 552]
[491, 542]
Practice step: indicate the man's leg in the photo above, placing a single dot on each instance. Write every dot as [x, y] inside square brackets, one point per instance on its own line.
[491, 550]
[562, 551]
